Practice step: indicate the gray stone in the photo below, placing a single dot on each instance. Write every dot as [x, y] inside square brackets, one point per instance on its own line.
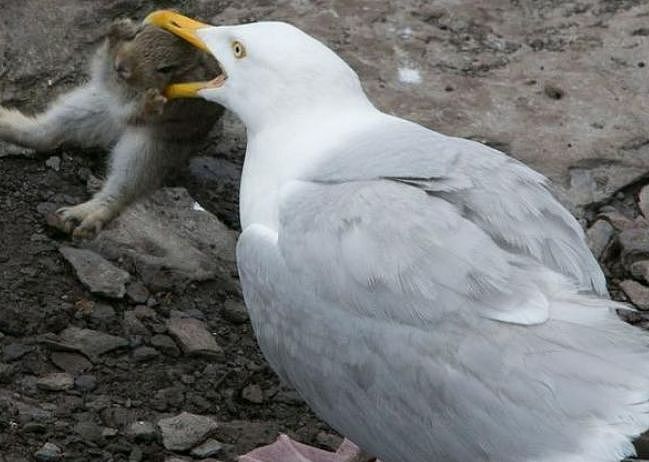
[137, 292]
[643, 201]
[54, 163]
[95, 272]
[57, 381]
[91, 342]
[102, 313]
[637, 293]
[193, 337]
[253, 394]
[132, 325]
[598, 236]
[634, 245]
[15, 351]
[145, 353]
[187, 245]
[184, 431]
[49, 452]
[86, 382]
[89, 431]
[142, 431]
[209, 448]
[165, 344]
[73, 363]
[235, 312]
[640, 270]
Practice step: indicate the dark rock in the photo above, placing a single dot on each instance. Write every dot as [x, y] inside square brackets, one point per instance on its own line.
[73, 363]
[58, 381]
[235, 312]
[634, 245]
[91, 342]
[637, 293]
[142, 431]
[89, 431]
[86, 382]
[7, 372]
[165, 344]
[136, 455]
[598, 236]
[95, 272]
[137, 292]
[184, 431]
[145, 353]
[194, 338]
[209, 448]
[253, 394]
[15, 351]
[132, 325]
[102, 313]
[640, 270]
[48, 453]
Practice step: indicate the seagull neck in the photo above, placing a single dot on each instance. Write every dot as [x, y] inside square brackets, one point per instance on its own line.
[286, 150]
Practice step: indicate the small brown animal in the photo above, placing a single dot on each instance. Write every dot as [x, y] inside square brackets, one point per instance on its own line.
[122, 108]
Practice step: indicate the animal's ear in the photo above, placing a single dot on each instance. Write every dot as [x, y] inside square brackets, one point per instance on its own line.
[122, 29]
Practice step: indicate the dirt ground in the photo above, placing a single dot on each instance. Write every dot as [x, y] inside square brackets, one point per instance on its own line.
[413, 56]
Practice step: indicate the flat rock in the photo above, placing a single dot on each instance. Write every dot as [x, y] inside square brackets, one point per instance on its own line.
[184, 431]
[637, 293]
[73, 363]
[640, 270]
[598, 236]
[634, 245]
[186, 245]
[234, 311]
[193, 337]
[96, 273]
[165, 344]
[49, 452]
[253, 394]
[58, 381]
[142, 430]
[643, 201]
[209, 448]
[92, 342]
[15, 351]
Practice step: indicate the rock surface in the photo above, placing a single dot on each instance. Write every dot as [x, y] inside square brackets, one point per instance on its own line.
[187, 245]
[193, 337]
[185, 431]
[97, 273]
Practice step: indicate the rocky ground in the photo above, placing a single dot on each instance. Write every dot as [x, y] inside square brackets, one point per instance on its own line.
[136, 345]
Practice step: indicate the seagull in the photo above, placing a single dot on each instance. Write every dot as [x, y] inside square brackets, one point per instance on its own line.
[426, 295]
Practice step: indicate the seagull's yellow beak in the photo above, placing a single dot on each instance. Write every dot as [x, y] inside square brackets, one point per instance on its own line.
[185, 28]
[179, 25]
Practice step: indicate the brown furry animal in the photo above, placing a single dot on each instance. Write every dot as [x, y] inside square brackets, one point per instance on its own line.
[122, 108]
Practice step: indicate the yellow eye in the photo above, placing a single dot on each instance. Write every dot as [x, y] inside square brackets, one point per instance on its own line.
[238, 49]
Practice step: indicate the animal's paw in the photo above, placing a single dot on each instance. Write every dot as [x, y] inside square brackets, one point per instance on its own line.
[154, 103]
[85, 220]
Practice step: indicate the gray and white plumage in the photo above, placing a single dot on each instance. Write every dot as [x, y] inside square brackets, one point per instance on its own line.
[426, 295]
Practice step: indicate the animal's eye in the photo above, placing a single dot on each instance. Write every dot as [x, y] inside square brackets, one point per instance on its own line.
[166, 69]
[238, 49]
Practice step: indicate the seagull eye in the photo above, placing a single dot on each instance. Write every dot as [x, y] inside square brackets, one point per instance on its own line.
[238, 49]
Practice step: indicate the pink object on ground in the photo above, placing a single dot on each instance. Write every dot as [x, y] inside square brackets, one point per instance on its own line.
[287, 450]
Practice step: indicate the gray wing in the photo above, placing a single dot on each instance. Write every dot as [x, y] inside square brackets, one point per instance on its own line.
[509, 202]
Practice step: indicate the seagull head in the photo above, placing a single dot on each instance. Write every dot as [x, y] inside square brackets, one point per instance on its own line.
[270, 70]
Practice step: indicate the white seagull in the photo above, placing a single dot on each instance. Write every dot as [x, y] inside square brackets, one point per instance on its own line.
[426, 295]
